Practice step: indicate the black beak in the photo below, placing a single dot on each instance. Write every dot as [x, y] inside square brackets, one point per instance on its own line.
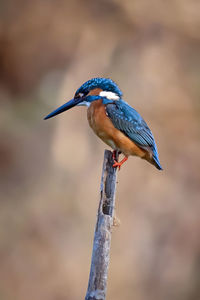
[64, 107]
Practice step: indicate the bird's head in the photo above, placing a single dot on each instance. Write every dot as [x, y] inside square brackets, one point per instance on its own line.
[92, 90]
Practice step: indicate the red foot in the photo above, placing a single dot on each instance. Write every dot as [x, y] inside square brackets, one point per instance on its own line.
[114, 155]
[119, 164]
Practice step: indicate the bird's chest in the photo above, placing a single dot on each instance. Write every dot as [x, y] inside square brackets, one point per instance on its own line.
[100, 123]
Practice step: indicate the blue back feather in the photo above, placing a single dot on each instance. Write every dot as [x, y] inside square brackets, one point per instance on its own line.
[128, 120]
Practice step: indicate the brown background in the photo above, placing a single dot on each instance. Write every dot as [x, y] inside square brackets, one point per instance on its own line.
[50, 170]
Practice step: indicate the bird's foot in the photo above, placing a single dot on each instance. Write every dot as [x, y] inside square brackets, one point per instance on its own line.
[114, 154]
[120, 163]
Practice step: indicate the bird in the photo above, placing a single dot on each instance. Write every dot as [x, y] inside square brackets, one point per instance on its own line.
[114, 121]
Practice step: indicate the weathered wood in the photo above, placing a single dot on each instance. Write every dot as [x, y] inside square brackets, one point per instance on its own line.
[102, 238]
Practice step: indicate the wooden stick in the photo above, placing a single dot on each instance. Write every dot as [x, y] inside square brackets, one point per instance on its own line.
[102, 238]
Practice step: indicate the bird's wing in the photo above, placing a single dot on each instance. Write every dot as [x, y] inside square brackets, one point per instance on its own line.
[129, 121]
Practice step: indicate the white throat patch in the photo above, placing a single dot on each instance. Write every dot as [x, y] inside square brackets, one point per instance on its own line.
[109, 95]
[84, 103]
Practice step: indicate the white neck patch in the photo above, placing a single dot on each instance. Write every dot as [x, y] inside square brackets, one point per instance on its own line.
[84, 103]
[109, 95]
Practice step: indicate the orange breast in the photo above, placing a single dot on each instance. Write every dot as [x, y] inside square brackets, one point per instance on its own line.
[104, 128]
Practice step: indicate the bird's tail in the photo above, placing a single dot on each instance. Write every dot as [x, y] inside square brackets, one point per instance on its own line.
[156, 162]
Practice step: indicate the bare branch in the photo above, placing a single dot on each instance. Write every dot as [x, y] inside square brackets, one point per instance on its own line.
[102, 238]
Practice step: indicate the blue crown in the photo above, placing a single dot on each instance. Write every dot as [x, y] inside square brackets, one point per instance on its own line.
[106, 84]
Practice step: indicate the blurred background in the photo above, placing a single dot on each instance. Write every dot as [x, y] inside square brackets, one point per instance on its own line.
[50, 170]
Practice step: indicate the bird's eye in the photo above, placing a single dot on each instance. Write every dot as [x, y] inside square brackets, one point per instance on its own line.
[79, 95]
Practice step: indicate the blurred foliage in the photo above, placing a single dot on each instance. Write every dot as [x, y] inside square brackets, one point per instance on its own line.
[50, 171]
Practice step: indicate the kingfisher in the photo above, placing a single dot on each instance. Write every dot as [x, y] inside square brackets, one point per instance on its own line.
[114, 121]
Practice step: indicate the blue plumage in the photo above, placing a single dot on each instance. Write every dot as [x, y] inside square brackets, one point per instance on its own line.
[128, 120]
[106, 84]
